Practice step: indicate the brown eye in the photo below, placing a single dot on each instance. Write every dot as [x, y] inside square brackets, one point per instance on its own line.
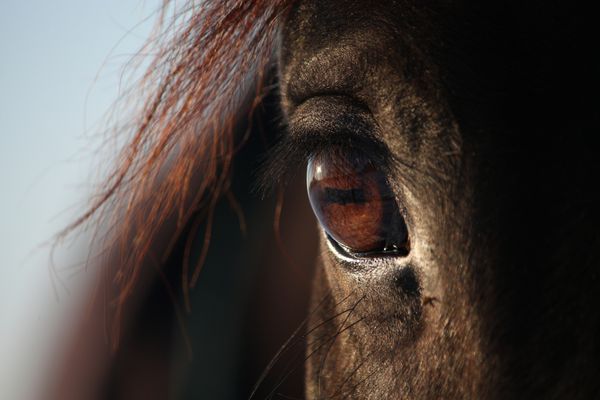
[355, 205]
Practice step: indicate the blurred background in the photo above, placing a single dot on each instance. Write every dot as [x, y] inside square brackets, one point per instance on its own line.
[61, 67]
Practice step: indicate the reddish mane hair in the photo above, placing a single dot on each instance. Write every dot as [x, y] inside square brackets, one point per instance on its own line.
[176, 164]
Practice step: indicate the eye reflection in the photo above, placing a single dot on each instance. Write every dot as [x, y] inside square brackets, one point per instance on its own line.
[353, 202]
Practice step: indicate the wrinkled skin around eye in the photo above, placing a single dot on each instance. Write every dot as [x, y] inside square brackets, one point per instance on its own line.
[354, 204]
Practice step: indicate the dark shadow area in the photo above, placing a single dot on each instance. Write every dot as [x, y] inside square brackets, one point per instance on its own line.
[251, 296]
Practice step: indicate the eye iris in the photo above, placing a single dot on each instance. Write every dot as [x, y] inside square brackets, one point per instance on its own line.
[355, 205]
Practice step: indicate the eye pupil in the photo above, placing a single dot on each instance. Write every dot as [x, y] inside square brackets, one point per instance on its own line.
[345, 196]
[355, 205]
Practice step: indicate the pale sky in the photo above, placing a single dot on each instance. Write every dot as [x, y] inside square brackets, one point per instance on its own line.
[60, 63]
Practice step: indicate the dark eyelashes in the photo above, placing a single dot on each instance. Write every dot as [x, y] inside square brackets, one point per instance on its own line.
[291, 152]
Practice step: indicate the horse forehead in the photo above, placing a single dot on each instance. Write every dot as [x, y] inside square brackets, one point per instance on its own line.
[356, 31]
[371, 58]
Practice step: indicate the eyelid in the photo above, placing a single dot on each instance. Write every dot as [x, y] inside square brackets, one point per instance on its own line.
[347, 253]
[322, 124]
[332, 114]
[362, 265]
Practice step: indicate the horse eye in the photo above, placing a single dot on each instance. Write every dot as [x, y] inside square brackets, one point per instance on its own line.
[355, 205]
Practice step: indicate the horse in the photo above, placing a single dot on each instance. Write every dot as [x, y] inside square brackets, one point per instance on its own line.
[450, 168]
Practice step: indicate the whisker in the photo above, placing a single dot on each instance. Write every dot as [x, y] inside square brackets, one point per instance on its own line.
[290, 341]
[294, 361]
[340, 330]
[377, 370]
[285, 346]
[330, 338]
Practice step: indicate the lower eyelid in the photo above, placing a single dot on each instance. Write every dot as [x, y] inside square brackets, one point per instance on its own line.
[340, 249]
[361, 266]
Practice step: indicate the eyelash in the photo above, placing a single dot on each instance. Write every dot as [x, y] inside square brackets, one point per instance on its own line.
[291, 152]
